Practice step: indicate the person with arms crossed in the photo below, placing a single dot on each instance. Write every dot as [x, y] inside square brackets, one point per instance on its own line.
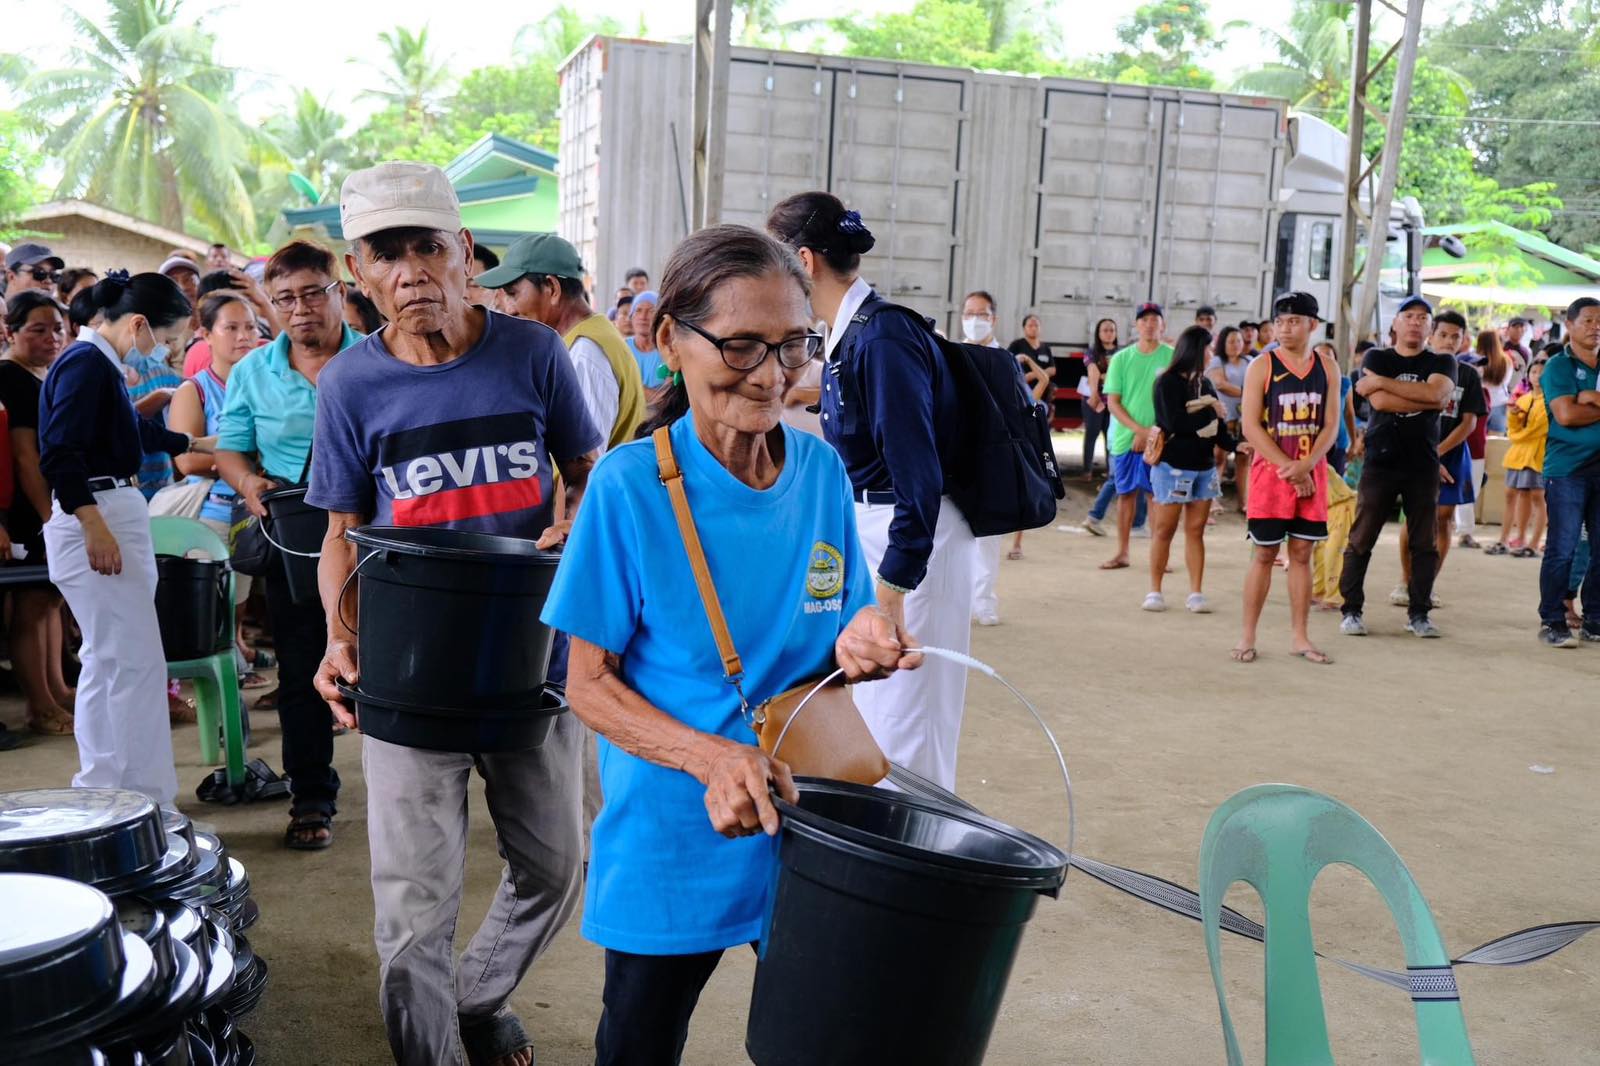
[1462, 412]
[1129, 390]
[1407, 386]
[461, 388]
[1289, 414]
[1572, 474]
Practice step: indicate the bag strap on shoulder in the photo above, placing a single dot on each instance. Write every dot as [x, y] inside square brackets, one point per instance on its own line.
[672, 477]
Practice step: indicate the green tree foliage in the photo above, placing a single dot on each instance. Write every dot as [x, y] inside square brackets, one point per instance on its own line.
[1532, 64]
[19, 162]
[142, 121]
[1165, 42]
[955, 33]
[1312, 70]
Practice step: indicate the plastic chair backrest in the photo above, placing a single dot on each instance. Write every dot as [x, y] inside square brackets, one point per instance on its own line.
[172, 535]
[1278, 838]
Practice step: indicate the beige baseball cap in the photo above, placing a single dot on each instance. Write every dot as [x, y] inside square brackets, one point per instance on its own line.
[392, 195]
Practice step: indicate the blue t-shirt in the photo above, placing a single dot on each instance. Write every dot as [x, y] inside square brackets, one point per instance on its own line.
[465, 444]
[649, 364]
[1345, 386]
[155, 468]
[790, 574]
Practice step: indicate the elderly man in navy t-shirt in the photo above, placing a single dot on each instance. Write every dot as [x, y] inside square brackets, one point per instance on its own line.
[451, 415]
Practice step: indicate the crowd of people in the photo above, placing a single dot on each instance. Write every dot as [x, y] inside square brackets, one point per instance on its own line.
[811, 424]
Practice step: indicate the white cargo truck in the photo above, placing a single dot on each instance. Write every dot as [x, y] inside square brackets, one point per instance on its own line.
[1071, 199]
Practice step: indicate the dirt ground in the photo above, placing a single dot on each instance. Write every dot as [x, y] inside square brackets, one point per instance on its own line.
[1431, 740]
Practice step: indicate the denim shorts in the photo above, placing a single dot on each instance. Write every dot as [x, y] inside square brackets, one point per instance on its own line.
[1171, 485]
[1524, 479]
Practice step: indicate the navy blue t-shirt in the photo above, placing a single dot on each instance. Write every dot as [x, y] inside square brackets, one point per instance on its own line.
[466, 444]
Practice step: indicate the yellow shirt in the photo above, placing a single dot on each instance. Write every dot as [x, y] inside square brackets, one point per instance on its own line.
[1527, 426]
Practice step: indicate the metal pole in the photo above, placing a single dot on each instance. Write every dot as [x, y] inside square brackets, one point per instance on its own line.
[712, 51]
[1389, 169]
[1358, 297]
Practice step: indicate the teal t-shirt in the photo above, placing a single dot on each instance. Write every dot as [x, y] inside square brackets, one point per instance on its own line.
[1570, 450]
[1132, 376]
[790, 574]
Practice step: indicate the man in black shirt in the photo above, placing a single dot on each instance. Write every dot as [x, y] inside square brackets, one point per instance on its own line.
[1462, 410]
[1407, 386]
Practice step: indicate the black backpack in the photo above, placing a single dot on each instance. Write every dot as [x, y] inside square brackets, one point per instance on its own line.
[1004, 477]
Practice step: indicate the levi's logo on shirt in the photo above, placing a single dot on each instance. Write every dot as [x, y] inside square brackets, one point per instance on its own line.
[463, 469]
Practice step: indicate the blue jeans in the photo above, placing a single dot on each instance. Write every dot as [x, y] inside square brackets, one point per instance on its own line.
[1108, 492]
[1572, 504]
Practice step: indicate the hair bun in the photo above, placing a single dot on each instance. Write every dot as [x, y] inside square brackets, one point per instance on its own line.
[109, 289]
[858, 238]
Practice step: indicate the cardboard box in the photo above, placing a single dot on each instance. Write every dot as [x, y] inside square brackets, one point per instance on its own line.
[1492, 501]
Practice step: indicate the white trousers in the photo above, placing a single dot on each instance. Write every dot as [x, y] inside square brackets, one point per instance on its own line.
[915, 716]
[985, 572]
[1467, 513]
[124, 736]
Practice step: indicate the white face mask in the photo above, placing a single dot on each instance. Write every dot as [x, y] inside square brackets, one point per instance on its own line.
[975, 328]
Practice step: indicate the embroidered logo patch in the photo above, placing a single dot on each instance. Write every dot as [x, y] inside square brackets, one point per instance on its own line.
[825, 575]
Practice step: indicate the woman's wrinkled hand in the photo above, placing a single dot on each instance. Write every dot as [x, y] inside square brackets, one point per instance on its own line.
[874, 645]
[739, 781]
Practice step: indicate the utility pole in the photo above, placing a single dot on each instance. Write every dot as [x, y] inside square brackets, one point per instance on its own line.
[712, 32]
[1358, 298]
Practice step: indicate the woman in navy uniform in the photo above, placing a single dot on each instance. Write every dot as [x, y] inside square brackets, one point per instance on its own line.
[890, 407]
[91, 441]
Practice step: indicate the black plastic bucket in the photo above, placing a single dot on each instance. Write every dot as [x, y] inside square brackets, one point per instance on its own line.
[296, 529]
[192, 607]
[893, 924]
[449, 620]
[456, 731]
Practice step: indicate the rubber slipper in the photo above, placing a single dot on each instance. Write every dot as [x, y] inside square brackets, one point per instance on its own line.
[302, 832]
[1314, 655]
[251, 679]
[267, 702]
[494, 1037]
[1113, 564]
[1014, 555]
[1243, 655]
[52, 723]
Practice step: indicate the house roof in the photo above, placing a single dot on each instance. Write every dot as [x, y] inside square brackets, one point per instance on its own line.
[107, 216]
[1555, 264]
[506, 188]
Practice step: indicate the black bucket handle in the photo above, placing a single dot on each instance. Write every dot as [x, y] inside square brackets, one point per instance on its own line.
[338, 605]
[963, 659]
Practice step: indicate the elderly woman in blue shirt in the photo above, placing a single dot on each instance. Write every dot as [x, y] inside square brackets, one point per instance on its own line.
[682, 856]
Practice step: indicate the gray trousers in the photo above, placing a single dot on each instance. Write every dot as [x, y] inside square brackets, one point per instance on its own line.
[417, 825]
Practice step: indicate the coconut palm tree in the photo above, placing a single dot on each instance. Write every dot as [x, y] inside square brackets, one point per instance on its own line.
[414, 82]
[312, 139]
[1313, 66]
[140, 121]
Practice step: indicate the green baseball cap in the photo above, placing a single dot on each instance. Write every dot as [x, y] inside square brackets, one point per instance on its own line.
[537, 253]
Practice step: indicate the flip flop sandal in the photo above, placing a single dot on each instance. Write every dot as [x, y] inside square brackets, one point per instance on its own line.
[1014, 555]
[302, 832]
[267, 702]
[1524, 553]
[1243, 655]
[1113, 564]
[1314, 655]
[181, 711]
[254, 680]
[494, 1037]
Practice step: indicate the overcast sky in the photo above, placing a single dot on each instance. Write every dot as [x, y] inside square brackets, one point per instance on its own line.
[281, 45]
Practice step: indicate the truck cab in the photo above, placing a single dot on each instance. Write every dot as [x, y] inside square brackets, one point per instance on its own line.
[1310, 225]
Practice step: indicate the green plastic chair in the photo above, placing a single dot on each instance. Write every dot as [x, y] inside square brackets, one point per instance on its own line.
[1277, 838]
[216, 677]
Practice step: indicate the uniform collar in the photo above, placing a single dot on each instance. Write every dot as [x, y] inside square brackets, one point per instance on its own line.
[89, 336]
[854, 297]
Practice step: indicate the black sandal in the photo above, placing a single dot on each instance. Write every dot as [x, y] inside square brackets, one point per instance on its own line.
[303, 829]
[487, 1039]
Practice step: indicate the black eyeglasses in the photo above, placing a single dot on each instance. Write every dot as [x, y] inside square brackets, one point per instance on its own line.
[747, 353]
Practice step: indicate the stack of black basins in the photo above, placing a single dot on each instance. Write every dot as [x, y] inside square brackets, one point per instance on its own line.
[121, 934]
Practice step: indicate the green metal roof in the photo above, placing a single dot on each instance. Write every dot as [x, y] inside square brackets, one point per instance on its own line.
[507, 188]
[1554, 264]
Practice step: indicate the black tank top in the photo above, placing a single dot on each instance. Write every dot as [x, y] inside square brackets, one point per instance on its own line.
[1293, 412]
